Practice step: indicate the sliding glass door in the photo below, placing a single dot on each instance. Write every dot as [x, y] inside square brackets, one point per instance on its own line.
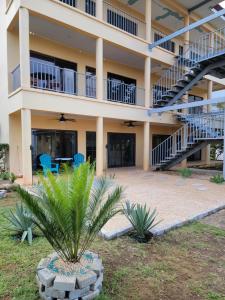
[57, 143]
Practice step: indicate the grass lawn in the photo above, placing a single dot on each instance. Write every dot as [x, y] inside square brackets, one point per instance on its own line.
[188, 263]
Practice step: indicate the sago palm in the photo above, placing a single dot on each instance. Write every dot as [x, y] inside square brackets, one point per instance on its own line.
[71, 209]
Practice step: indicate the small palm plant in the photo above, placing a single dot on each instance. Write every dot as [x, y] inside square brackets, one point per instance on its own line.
[70, 210]
[20, 223]
[142, 220]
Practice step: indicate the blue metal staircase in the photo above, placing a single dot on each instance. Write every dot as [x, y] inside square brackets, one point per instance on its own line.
[203, 57]
[197, 131]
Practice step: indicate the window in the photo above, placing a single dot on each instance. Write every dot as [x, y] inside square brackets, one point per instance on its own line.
[54, 74]
[121, 89]
[90, 7]
[91, 82]
[122, 22]
[181, 50]
[170, 46]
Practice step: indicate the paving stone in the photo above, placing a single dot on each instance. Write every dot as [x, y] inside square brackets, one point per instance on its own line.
[98, 283]
[86, 279]
[202, 188]
[79, 293]
[91, 295]
[46, 277]
[65, 283]
[51, 292]
[44, 297]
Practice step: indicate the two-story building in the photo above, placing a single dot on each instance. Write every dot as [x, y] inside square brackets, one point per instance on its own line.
[78, 76]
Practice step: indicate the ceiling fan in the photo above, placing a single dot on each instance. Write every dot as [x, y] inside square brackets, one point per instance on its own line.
[130, 124]
[63, 119]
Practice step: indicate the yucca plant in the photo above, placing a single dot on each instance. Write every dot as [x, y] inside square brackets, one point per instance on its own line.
[20, 223]
[218, 178]
[141, 218]
[71, 209]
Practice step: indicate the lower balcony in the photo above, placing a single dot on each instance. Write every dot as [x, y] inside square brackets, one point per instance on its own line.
[52, 78]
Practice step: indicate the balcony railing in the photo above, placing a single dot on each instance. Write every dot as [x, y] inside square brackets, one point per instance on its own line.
[46, 76]
[124, 93]
[124, 21]
[88, 6]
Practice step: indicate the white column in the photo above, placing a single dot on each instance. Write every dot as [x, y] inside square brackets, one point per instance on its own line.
[26, 146]
[99, 68]
[208, 109]
[24, 44]
[148, 20]
[99, 146]
[99, 9]
[147, 81]
[146, 150]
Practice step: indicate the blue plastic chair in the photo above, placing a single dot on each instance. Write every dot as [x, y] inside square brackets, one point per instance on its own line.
[78, 160]
[47, 165]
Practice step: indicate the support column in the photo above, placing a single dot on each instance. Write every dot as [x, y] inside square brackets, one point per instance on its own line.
[148, 20]
[26, 146]
[24, 44]
[99, 9]
[147, 81]
[99, 68]
[146, 152]
[99, 146]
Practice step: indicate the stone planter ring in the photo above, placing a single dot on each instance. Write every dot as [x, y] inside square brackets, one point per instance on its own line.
[58, 280]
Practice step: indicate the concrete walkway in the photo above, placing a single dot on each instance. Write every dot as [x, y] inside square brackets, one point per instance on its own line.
[177, 200]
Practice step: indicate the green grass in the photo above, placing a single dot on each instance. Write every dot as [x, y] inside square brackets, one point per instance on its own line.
[188, 263]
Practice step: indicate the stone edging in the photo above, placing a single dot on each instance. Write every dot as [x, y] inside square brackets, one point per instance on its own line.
[164, 229]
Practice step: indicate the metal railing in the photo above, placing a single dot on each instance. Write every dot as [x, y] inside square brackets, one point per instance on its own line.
[197, 128]
[88, 6]
[207, 46]
[123, 20]
[16, 82]
[124, 93]
[170, 46]
[52, 78]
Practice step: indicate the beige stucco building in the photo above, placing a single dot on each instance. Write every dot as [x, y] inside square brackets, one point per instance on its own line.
[90, 61]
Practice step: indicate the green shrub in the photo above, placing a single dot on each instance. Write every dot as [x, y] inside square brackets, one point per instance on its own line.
[12, 177]
[141, 218]
[5, 175]
[218, 178]
[70, 210]
[185, 172]
[20, 223]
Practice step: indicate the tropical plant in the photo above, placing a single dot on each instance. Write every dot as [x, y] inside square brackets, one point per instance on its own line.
[20, 223]
[218, 178]
[5, 175]
[70, 210]
[141, 218]
[185, 172]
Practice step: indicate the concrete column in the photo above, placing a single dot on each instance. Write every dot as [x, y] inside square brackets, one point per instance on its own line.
[224, 149]
[26, 146]
[148, 20]
[99, 9]
[146, 150]
[24, 44]
[186, 45]
[99, 68]
[99, 146]
[147, 81]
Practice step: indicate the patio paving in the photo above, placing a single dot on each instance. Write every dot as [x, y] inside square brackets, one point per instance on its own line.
[177, 200]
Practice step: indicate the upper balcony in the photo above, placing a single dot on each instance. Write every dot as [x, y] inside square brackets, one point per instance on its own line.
[112, 15]
[48, 77]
